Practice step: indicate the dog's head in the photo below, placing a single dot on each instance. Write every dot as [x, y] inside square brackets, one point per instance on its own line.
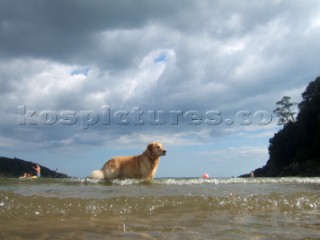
[156, 149]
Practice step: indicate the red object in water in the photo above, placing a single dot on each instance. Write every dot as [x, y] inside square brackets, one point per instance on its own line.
[205, 175]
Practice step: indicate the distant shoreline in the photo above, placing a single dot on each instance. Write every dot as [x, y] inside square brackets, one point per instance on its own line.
[15, 168]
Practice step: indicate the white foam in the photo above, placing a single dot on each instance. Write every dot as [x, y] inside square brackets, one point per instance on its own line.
[199, 181]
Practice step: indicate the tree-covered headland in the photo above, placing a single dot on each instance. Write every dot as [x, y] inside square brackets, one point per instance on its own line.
[295, 149]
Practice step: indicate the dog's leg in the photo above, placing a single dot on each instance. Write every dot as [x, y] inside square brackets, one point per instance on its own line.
[111, 169]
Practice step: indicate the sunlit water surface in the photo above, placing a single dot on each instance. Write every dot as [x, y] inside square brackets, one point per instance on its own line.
[231, 208]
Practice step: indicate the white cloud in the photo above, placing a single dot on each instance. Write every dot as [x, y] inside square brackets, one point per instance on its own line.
[231, 154]
[41, 83]
[145, 78]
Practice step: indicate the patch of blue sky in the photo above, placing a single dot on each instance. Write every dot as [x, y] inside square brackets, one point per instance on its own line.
[163, 57]
[81, 71]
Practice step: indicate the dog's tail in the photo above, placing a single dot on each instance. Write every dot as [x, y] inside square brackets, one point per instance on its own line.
[98, 174]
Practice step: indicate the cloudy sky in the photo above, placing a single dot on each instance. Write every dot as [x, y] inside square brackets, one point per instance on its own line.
[81, 81]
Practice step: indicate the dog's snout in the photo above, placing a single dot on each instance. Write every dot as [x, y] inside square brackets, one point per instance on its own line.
[164, 152]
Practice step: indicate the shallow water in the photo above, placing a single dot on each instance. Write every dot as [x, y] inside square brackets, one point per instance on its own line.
[233, 208]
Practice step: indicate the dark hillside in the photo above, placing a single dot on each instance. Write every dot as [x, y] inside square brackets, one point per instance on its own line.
[295, 149]
[13, 167]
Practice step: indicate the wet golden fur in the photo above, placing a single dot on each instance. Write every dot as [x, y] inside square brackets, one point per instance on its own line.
[143, 166]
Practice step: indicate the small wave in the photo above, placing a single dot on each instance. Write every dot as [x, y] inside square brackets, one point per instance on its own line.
[121, 182]
[168, 181]
[215, 181]
[194, 181]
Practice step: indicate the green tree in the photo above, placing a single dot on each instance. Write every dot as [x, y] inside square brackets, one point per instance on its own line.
[284, 112]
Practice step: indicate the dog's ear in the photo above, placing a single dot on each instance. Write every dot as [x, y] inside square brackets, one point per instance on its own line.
[150, 148]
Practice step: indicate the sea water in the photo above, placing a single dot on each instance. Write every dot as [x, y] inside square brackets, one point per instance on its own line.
[230, 208]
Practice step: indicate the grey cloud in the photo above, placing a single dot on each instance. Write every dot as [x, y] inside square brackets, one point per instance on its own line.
[62, 29]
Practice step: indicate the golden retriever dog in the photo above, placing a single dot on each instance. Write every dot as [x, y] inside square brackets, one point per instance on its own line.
[143, 166]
